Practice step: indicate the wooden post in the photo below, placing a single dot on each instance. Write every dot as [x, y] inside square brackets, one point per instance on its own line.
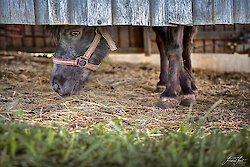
[147, 41]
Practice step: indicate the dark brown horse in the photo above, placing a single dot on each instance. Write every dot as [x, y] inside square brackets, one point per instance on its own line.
[175, 45]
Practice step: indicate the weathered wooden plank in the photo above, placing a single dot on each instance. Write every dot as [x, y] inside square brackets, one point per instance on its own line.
[124, 37]
[202, 12]
[121, 11]
[42, 12]
[180, 12]
[99, 12]
[125, 12]
[241, 11]
[147, 41]
[58, 11]
[135, 37]
[22, 12]
[78, 12]
[158, 13]
[223, 12]
[5, 12]
[218, 35]
[140, 12]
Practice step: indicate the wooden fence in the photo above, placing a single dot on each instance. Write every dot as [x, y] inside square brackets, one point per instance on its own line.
[124, 12]
[130, 39]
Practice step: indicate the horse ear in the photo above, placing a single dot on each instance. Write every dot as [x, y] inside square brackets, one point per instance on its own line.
[53, 29]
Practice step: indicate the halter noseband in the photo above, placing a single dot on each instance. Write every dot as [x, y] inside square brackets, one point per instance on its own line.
[82, 61]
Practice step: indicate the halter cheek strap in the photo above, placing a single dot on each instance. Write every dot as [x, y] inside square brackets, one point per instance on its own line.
[82, 61]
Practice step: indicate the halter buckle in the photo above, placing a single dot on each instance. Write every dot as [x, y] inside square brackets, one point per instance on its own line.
[81, 62]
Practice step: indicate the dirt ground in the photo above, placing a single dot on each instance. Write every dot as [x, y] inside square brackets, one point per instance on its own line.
[117, 90]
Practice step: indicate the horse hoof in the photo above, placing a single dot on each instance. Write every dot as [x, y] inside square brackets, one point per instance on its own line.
[160, 89]
[168, 102]
[187, 100]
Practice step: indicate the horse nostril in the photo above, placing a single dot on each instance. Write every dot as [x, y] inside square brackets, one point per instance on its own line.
[75, 87]
[56, 87]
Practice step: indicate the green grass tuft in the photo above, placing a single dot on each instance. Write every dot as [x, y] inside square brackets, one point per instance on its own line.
[111, 144]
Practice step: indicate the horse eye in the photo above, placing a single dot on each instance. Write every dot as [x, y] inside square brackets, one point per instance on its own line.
[75, 33]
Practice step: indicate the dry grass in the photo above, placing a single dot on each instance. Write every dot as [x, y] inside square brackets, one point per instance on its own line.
[117, 90]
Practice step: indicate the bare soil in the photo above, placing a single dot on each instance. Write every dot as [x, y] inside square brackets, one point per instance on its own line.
[117, 90]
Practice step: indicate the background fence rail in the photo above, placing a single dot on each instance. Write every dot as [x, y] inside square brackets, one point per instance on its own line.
[131, 39]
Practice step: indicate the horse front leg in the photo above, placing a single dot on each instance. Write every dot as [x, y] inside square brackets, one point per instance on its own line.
[161, 85]
[188, 95]
[189, 34]
[172, 38]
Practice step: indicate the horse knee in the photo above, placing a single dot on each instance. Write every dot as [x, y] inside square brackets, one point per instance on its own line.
[174, 51]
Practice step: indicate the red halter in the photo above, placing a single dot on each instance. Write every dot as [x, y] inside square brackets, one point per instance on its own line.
[82, 61]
